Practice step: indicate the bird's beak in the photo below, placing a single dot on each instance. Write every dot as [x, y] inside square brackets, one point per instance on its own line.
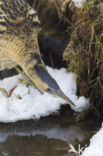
[59, 93]
[64, 97]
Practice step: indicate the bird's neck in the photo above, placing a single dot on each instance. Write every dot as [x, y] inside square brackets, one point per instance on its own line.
[33, 67]
[31, 62]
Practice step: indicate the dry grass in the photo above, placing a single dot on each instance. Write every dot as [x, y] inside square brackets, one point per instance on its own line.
[84, 53]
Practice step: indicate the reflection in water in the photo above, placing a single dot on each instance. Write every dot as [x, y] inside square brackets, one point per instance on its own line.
[38, 145]
[45, 139]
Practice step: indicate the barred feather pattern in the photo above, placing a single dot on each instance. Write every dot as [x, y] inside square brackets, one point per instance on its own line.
[14, 15]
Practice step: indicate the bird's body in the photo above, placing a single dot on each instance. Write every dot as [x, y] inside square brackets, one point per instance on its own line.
[16, 18]
[19, 27]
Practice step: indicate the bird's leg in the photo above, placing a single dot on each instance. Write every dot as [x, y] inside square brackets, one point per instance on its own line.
[25, 79]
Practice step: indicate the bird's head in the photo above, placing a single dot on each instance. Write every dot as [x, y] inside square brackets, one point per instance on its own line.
[56, 91]
[47, 83]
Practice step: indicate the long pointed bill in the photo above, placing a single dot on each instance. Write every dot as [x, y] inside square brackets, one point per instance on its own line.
[64, 97]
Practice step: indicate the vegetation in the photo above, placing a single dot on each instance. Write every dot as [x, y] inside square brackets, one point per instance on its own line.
[84, 53]
[82, 30]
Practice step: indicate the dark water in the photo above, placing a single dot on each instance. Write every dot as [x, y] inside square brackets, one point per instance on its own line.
[47, 137]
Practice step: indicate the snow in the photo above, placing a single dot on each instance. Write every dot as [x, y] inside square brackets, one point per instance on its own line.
[96, 145]
[28, 103]
[79, 3]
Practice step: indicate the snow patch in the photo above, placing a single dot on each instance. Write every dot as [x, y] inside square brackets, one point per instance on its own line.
[79, 3]
[96, 145]
[28, 103]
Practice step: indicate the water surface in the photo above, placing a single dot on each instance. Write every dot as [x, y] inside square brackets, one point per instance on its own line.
[50, 136]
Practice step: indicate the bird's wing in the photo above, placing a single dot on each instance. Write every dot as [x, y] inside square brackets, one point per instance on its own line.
[6, 63]
[12, 12]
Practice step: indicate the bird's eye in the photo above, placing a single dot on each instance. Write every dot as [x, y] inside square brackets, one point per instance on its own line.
[49, 90]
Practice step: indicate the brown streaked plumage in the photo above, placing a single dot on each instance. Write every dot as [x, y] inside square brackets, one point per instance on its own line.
[19, 27]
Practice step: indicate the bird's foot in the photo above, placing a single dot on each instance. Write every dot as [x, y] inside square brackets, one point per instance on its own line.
[25, 80]
[3, 90]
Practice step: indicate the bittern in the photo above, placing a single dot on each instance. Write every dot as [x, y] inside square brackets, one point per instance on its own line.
[19, 28]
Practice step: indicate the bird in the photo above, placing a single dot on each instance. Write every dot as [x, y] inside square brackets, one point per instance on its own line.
[19, 28]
